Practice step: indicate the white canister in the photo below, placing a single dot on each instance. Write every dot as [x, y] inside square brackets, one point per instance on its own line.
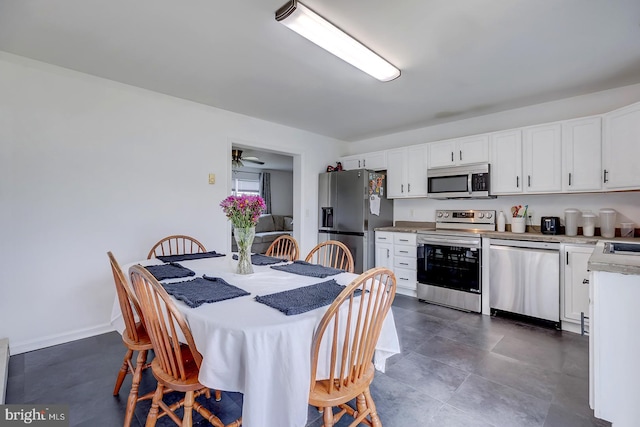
[608, 222]
[571, 219]
[588, 223]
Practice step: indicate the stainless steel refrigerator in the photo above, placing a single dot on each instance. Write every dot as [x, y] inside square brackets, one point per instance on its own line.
[352, 204]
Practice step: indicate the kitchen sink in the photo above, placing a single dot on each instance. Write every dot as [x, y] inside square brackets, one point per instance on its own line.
[621, 248]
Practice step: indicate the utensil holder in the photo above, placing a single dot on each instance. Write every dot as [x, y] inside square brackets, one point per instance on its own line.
[518, 224]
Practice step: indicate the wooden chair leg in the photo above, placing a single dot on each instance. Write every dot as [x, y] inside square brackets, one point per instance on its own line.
[152, 416]
[375, 419]
[361, 403]
[187, 418]
[218, 394]
[328, 417]
[135, 384]
[124, 369]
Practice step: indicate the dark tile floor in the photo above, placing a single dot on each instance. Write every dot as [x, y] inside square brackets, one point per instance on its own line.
[456, 369]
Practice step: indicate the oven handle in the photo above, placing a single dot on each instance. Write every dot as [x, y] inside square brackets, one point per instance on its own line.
[448, 241]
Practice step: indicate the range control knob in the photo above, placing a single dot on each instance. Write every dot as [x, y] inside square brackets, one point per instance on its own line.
[446, 214]
[439, 214]
[489, 215]
[480, 215]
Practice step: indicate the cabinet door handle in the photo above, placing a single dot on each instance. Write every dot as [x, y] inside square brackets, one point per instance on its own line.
[409, 188]
[364, 163]
[403, 263]
[402, 188]
[452, 157]
[529, 180]
[585, 281]
[403, 278]
[517, 182]
[569, 178]
[388, 253]
[567, 258]
[606, 177]
[404, 252]
[460, 154]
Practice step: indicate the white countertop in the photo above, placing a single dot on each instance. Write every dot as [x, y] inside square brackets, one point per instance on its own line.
[613, 263]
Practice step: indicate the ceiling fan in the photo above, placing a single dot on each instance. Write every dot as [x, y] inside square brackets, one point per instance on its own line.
[237, 159]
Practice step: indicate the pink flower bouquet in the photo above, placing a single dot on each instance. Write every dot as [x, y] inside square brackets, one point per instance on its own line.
[243, 211]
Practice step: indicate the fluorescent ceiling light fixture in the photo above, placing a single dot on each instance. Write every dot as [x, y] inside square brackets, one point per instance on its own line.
[318, 30]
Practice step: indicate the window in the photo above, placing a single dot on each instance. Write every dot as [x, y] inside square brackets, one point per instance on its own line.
[246, 183]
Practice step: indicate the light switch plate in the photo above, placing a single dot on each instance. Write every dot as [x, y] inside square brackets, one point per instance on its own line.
[212, 178]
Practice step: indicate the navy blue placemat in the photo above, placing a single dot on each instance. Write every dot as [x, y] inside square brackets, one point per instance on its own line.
[307, 269]
[203, 290]
[301, 300]
[169, 271]
[187, 257]
[258, 259]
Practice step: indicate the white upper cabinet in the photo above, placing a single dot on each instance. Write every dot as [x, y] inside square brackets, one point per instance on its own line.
[621, 149]
[506, 162]
[459, 151]
[407, 172]
[376, 161]
[542, 158]
[581, 154]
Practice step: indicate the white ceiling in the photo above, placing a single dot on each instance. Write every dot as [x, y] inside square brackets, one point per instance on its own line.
[458, 58]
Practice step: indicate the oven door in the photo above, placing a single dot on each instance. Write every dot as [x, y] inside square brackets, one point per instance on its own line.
[452, 263]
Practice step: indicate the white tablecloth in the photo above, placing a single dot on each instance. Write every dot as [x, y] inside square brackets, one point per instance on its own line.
[254, 349]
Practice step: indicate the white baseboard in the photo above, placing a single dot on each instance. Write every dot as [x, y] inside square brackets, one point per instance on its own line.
[37, 344]
[4, 368]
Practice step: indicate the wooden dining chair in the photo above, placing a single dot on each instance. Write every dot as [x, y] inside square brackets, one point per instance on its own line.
[178, 244]
[285, 247]
[176, 364]
[350, 328]
[332, 254]
[135, 338]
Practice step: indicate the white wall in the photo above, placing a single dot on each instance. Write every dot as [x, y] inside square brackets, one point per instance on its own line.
[88, 165]
[627, 203]
[281, 192]
[569, 108]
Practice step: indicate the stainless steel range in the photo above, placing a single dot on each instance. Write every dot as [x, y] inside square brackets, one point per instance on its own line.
[450, 259]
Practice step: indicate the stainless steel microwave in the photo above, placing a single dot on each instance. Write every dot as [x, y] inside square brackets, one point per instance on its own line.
[461, 182]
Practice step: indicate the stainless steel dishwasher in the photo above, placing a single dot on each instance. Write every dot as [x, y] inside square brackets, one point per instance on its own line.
[524, 278]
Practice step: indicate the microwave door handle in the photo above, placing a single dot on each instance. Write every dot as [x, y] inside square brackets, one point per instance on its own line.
[469, 183]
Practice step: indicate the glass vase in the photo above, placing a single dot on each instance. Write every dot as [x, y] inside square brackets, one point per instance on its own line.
[244, 239]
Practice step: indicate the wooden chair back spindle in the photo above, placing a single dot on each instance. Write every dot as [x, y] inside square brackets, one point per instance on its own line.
[166, 326]
[332, 254]
[351, 328]
[285, 247]
[127, 300]
[177, 244]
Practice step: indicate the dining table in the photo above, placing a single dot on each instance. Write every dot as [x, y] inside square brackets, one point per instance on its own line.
[253, 348]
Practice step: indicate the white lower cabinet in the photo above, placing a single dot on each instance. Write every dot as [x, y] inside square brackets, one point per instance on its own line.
[575, 295]
[384, 249]
[398, 252]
